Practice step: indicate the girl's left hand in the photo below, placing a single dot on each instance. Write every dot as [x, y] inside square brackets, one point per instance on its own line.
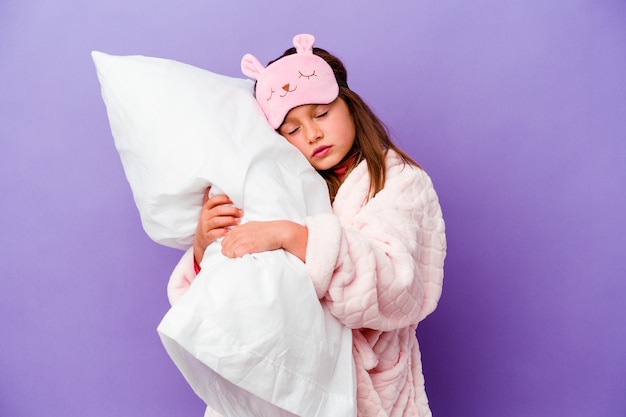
[254, 237]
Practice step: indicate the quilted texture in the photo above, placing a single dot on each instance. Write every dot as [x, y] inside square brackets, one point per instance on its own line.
[378, 265]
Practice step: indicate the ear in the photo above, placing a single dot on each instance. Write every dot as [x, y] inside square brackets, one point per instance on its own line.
[304, 43]
[251, 66]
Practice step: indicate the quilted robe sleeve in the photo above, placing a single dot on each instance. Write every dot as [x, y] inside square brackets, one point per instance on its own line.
[378, 264]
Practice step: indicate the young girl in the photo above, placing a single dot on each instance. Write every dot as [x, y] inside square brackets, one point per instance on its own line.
[377, 261]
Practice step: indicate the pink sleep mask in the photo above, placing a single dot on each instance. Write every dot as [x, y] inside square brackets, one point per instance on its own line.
[291, 81]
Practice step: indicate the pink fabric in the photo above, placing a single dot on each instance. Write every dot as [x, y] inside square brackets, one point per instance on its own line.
[378, 265]
[294, 80]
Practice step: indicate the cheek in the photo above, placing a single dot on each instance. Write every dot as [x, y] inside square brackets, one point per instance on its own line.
[348, 133]
[344, 126]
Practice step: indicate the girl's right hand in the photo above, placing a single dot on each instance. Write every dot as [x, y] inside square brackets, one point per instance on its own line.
[217, 216]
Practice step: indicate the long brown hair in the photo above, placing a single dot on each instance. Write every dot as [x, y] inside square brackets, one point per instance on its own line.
[372, 139]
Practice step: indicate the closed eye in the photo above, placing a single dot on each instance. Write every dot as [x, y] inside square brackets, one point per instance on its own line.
[288, 129]
[271, 94]
[321, 114]
[307, 76]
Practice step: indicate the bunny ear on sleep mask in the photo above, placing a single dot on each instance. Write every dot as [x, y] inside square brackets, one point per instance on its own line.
[291, 81]
[251, 66]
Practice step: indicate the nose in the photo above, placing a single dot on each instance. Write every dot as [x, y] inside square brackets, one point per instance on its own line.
[313, 133]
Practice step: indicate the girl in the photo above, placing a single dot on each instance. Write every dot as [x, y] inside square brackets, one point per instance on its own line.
[377, 261]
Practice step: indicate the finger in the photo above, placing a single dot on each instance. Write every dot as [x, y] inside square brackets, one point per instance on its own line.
[224, 222]
[218, 200]
[226, 211]
[227, 247]
[215, 234]
[227, 253]
[235, 251]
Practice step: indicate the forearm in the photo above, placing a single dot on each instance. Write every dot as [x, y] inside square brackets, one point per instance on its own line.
[293, 238]
[261, 236]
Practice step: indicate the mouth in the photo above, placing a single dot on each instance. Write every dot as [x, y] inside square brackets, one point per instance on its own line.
[320, 151]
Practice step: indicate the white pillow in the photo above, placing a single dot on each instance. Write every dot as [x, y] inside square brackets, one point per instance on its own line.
[249, 335]
[179, 128]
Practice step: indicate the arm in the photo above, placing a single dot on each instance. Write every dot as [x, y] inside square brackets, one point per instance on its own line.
[381, 267]
[216, 218]
[255, 236]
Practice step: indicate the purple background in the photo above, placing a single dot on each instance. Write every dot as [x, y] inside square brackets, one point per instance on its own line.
[517, 109]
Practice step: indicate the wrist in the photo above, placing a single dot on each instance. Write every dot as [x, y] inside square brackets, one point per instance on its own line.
[198, 254]
[294, 239]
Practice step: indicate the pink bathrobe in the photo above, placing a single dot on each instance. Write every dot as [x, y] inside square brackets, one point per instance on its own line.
[378, 265]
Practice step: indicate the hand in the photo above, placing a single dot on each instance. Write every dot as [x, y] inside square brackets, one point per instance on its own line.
[254, 237]
[217, 216]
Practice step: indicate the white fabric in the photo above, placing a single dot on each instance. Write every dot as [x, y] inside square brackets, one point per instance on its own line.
[250, 335]
[256, 321]
[179, 128]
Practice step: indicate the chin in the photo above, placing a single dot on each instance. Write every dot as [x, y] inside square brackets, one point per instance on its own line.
[326, 165]
[323, 167]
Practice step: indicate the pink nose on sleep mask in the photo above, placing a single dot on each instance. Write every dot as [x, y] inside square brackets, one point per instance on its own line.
[291, 81]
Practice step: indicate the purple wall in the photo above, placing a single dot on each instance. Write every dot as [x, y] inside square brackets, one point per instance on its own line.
[517, 110]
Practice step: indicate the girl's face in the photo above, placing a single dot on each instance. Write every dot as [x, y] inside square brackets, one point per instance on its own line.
[324, 133]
